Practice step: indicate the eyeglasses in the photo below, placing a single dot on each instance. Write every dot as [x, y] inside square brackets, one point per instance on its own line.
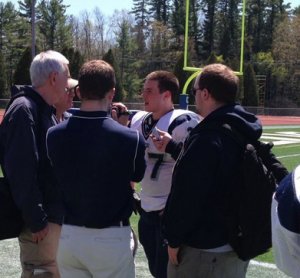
[68, 91]
[194, 91]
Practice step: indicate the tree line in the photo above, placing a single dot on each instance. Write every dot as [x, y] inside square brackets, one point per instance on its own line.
[151, 37]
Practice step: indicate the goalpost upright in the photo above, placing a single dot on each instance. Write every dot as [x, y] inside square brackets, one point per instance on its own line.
[184, 96]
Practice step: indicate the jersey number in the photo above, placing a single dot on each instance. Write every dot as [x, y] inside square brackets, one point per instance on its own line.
[159, 160]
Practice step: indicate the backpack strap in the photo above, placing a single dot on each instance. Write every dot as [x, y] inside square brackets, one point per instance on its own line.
[262, 149]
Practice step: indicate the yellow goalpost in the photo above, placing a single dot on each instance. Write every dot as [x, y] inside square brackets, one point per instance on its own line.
[197, 70]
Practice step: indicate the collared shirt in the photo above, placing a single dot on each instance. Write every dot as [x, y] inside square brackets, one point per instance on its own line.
[95, 158]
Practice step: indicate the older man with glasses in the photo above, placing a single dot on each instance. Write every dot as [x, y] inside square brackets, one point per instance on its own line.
[66, 102]
[26, 166]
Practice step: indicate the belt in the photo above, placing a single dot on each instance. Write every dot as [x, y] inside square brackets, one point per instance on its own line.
[122, 223]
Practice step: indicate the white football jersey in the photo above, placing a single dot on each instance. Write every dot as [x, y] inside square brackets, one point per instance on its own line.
[286, 224]
[156, 184]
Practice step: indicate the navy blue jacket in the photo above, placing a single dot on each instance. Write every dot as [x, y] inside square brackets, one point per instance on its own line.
[95, 158]
[25, 163]
[203, 180]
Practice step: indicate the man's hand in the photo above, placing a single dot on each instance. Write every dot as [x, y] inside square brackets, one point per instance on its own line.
[123, 119]
[173, 252]
[39, 236]
[161, 144]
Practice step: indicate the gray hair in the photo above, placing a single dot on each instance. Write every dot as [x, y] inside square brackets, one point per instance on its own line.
[45, 63]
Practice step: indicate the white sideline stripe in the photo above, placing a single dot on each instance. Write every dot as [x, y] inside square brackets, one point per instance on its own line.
[280, 143]
[265, 265]
[282, 134]
[281, 138]
[292, 155]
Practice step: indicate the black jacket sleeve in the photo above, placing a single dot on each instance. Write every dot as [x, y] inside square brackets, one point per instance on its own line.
[174, 148]
[270, 161]
[21, 160]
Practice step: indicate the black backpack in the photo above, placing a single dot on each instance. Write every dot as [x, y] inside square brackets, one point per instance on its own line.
[10, 216]
[249, 222]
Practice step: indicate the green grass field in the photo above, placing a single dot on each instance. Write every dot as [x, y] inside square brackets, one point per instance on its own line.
[287, 149]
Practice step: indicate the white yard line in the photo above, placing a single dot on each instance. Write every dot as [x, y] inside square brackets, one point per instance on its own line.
[291, 155]
[262, 264]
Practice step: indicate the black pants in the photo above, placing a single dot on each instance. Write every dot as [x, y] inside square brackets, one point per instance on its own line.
[151, 238]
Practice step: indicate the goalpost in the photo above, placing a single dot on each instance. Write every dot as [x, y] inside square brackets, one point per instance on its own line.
[184, 96]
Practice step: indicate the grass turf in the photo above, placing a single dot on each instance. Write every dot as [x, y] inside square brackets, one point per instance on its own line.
[9, 250]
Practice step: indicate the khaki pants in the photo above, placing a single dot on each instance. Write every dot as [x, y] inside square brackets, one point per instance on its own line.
[95, 253]
[195, 263]
[39, 260]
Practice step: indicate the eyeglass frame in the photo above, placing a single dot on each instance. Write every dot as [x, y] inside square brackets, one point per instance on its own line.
[194, 90]
[68, 91]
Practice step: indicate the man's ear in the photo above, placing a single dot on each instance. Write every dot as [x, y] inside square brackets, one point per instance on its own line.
[206, 94]
[111, 94]
[168, 95]
[78, 93]
[52, 77]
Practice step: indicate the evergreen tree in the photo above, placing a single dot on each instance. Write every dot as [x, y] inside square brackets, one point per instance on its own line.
[178, 17]
[14, 35]
[141, 13]
[228, 27]
[259, 25]
[209, 9]
[178, 24]
[235, 64]
[195, 28]
[160, 10]
[3, 87]
[212, 59]
[125, 45]
[109, 57]
[250, 87]
[53, 26]
[75, 60]
[22, 74]
[296, 11]
[25, 9]
[275, 13]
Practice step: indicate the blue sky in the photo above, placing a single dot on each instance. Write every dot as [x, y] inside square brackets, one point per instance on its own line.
[108, 6]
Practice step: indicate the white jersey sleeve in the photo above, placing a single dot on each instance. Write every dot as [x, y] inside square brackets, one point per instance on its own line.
[156, 184]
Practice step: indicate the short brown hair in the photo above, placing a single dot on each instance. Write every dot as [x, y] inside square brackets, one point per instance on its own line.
[96, 79]
[220, 81]
[167, 81]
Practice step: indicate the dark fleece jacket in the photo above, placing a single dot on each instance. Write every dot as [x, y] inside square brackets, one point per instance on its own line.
[204, 179]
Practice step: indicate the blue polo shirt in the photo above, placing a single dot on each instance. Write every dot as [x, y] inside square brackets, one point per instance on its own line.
[94, 159]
